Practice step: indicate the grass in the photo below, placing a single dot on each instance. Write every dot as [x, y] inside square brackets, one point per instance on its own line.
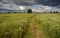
[50, 23]
[12, 24]
[17, 25]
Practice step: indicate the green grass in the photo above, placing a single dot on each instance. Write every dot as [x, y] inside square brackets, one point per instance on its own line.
[11, 25]
[50, 23]
[17, 25]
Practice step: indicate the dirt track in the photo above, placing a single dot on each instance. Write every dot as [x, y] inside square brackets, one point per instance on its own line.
[37, 33]
[35, 28]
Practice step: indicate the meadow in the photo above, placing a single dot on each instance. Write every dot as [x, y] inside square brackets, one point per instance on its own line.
[30, 25]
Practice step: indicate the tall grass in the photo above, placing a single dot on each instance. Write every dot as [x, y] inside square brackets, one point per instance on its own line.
[13, 25]
[50, 23]
[17, 25]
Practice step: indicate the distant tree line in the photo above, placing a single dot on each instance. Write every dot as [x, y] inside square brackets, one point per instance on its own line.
[29, 11]
[54, 12]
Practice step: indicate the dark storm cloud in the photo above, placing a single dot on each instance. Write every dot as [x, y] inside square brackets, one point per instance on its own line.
[30, 2]
[48, 2]
[18, 2]
[0, 0]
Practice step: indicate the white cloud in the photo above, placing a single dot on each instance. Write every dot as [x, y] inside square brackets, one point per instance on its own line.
[42, 8]
[47, 7]
[11, 6]
[22, 7]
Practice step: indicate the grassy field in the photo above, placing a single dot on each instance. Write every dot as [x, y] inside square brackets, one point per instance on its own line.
[25, 25]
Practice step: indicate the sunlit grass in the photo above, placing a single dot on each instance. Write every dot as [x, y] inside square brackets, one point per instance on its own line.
[13, 25]
[50, 23]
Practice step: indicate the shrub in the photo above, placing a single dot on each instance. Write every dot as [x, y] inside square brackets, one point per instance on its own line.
[9, 12]
[57, 12]
[50, 11]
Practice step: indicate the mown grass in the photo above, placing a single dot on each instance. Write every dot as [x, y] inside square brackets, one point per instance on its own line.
[17, 25]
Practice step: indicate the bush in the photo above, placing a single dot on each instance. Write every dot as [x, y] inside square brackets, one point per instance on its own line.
[57, 12]
[29, 11]
[9, 12]
[50, 11]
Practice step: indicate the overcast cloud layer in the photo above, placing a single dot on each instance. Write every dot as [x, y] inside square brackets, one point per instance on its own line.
[15, 4]
[30, 2]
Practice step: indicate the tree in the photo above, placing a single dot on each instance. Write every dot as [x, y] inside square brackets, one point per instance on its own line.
[57, 12]
[50, 11]
[9, 12]
[29, 11]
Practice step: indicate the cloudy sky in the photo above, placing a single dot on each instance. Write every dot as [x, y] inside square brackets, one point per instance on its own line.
[33, 4]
